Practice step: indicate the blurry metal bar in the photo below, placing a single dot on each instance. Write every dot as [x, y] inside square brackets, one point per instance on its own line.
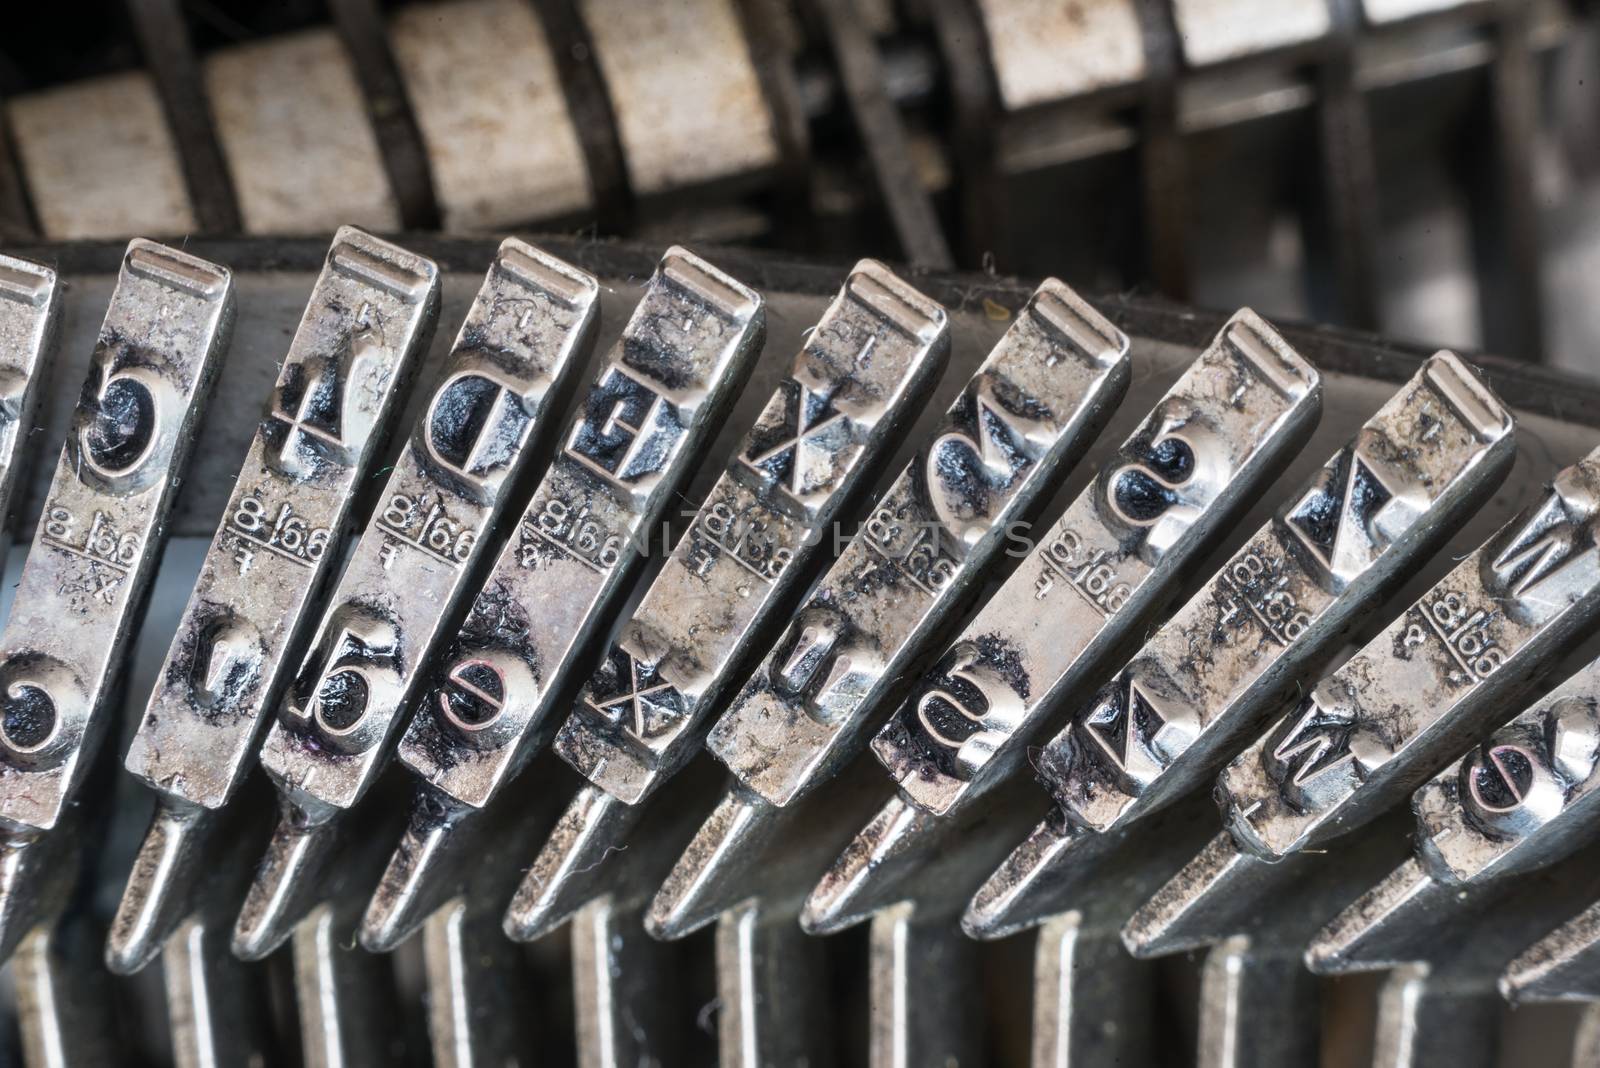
[922, 993]
[82, 589]
[214, 1002]
[1420, 1024]
[63, 998]
[1506, 218]
[1345, 234]
[1163, 169]
[1028, 412]
[772, 990]
[30, 318]
[480, 990]
[865, 369]
[1349, 751]
[348, 1009]
[1256, 1008]
[420, 557]
[882, 136]
[356, 350]
[1564, 965]
[405, 160]
[1092, 1003]
[18, 222]
[164, 41]
[623, 986]
[589, 104]
[491, 701]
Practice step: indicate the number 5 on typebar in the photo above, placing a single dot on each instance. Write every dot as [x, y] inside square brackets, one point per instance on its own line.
[657, 401]
[1234, 418]
[1385, 721]
[369, 317]
[97, 544]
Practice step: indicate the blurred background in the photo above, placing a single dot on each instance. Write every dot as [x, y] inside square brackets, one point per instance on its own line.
[1425, 169]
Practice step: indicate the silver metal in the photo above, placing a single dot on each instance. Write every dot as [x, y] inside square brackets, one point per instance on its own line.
[922, 992]
[772, 990]
[478, 990]
[1255, 1008]
[1564, 965]
[343, 994]
[866, 367]
[622, 989]
[30, 320]
[1366, 734]
[868, 364]
[81, 591]
[352, 358]
[685, 354]
[421, 553]
[1410, 476]
[62, 997]
[1030, 409]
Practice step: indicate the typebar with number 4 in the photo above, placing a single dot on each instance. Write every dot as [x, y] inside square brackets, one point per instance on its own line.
[419, 557]
[1036, 401]
[1235, 417]
[98, 541]
[1375, 729]
[489, 703]
[871, 359]
[1413, 473]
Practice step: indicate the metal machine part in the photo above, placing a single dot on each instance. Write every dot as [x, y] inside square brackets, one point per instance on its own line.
[462, 964]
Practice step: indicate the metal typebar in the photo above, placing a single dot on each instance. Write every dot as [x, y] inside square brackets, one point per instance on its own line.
[1107, 565]
[420, 557]
[1032, 407]
[1367, 733]
[30, 320]
[349, 364]
[865, 370]
[489, 706]
[81, 593]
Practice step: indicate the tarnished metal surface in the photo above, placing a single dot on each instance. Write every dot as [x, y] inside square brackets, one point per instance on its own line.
[420, 556]
[1216, 30]
[491, 702]
[82, 590]
[30, 320]
[352, 358]
[1044, 51]
[1387, 718]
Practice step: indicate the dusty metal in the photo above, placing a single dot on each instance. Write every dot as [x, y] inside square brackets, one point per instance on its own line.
[1353, 747]
[489, 704]
[1030, 409]
[354, 354]
[81, 593]
[1410, 476]
[1564, 965]
[1108, 564]
[1224, 428]
[421, 554]
[30, 317]
[866, 368]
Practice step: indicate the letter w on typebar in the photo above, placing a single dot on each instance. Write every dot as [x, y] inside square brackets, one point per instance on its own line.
[370, 315]
[684, 355]
[96, 548]
[866, 368]
[1370, 732]
[418, 558]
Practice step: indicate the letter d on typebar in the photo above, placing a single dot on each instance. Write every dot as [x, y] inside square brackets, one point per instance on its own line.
[1231, 421]
[103, 525]
[874, 355]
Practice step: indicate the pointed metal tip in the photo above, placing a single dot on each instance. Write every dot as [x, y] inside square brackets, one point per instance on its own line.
[571, 868]
[412, 887]
[704, 882]
[1009, 901]
[1195, 907]
[870, 873]
[287, 885]
[1383, 928]
[159, 888]
[1564, 965]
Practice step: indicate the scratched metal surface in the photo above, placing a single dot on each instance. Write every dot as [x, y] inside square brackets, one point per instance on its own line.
[1555, 425]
